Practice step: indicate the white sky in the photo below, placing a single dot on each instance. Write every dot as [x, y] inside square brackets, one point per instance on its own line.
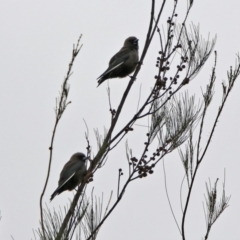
[35, 49]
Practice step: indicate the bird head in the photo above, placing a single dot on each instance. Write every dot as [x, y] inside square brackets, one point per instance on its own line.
[80, 156]
[131, 42]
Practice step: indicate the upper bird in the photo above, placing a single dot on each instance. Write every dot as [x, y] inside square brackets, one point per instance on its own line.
[123, 62]
[72, 174]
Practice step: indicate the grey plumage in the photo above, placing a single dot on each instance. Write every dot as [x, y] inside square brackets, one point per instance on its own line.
[123, 62]
[72, 174]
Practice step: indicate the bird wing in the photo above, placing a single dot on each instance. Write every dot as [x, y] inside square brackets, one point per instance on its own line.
[112, 68]
[117, 60]
[68, 171]
[66, 181]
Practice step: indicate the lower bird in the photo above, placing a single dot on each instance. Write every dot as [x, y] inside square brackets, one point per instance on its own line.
[72, 174]
[123, 62]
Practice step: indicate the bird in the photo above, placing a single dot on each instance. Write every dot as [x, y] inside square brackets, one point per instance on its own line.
[123, 62]
[72, 174]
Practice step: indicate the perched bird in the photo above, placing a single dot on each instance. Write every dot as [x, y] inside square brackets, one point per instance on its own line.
[72, 174]
[123, 62]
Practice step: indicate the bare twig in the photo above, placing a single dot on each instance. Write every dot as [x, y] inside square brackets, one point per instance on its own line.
[169, 203]
[60, 108]
[232, 76]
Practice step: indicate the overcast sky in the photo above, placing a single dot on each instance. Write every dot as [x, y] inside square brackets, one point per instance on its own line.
[36, 44]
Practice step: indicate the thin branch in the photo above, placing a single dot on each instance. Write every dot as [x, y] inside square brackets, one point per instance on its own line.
[232, 76]
[170, 205]
[207, 102]
[62, 104]
[181, 193]
[119, 177]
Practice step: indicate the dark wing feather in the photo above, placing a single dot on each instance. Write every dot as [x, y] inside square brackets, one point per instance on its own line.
[117, 60]
[69, 168]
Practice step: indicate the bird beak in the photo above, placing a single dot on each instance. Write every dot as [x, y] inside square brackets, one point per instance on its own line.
[86, 158]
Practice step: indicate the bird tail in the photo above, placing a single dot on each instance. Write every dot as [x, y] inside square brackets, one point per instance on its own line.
[100, 81]
[60, 188]
[55, 193]
[103, 77]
